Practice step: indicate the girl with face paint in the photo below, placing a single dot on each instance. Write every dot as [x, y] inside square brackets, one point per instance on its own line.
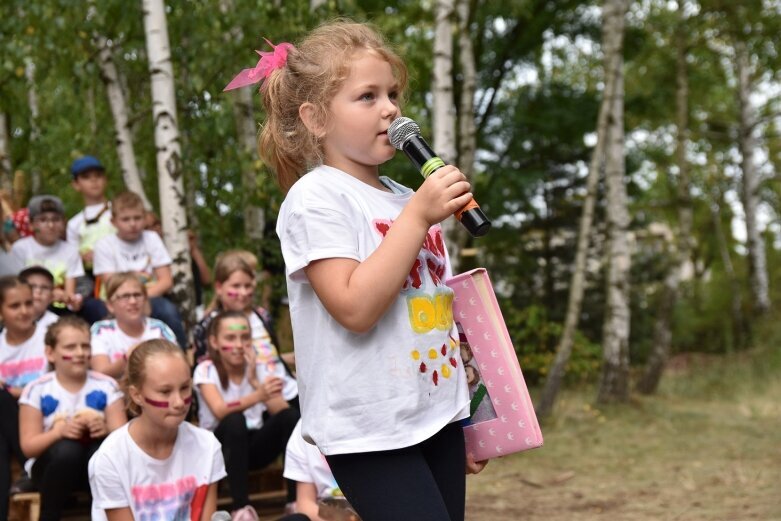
[65, 415]
[242, 404]
[157, 466]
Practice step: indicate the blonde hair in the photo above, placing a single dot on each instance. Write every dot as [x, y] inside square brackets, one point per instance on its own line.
[227, 263]
[135, 375]
[117, 279]
[314, 71]
[71, 321]
[127, 201]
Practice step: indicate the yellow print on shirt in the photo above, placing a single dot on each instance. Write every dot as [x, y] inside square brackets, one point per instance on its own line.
[427, 312]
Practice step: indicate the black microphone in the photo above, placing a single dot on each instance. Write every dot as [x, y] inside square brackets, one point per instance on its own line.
[404, 134]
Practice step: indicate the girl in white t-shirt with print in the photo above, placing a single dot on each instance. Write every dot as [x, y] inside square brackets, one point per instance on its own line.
[383, 389]
[65, 415]
[22, 360]
[157, 466]
[234, 290]
[241, 403]
[113, 339]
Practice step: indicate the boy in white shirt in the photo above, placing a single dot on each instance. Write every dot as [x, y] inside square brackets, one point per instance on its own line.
[46, 248]
[133, 249]
[41, 282]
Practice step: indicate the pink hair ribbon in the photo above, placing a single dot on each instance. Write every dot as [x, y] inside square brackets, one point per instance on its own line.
[268, 63]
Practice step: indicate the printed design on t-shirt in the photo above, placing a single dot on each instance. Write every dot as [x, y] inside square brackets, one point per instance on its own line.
[58, 269]
[265, 352]
[18, 373]
[49, 404]
[104, 326]
[431, 257]
[97, 400]
[164, 501]
[436, 363]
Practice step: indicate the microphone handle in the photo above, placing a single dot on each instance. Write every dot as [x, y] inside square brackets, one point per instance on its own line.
[421, 155]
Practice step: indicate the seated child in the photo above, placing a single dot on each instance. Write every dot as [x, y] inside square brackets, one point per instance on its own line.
[22, 360]
[41, 283]
[242, 403]
[157, 466]
[46, 248]
[113, 339]
[132, 249]
[234, 290]
[64, 416]
[305, 465]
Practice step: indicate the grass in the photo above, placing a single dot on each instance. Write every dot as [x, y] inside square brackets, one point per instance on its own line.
[707, 447]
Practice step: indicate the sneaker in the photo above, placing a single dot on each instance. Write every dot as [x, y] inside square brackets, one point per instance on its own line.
[22, 485]
[246, 513]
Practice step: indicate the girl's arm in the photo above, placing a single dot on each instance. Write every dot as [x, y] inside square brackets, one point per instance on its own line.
[119, 514]
[210, 505]
[102, 364]
[306, 500]
[211, 395]
[164, 281]
[114, 418]
[357, 294]
[32, 439]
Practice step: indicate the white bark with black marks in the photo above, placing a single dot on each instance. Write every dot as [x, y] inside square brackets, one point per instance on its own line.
[6, 173]
[614, 382]
[173, 214]
[36, 181]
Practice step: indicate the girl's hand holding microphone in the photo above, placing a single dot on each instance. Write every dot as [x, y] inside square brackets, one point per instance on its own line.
[442, 193]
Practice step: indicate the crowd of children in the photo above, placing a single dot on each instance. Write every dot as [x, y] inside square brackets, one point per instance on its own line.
[86, 307]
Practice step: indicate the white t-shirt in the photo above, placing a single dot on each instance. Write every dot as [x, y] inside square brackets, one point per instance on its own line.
[83, 236]
[108, 339]
[61, 259]
[122, 475]
[23, 363]
[401, 382]
[56, 403]
[206, 373]
[113, 255]
[268, 358]
[48, 318]
[305, 464]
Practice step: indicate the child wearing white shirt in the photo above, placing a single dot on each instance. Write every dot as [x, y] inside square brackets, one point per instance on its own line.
[132, 249]
[46, 248]
[157, 466]
[41, 283]
[64, 415]
[112, 340]
[241, 403]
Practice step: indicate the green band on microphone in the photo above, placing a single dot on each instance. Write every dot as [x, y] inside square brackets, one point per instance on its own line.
[432, 164]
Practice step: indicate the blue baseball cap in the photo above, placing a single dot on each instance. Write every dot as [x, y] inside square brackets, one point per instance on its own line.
[84, 164]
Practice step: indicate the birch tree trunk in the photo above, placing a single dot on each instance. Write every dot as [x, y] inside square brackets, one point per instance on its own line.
[444, 115]
[577, 283]
[747, 143]
[36, 183]
[660, 352]
[467, 139]
[614, 383]
[122, 135]
[6, 175]
[169, 164]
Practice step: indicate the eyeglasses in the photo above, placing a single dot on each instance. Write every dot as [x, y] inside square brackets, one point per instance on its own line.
[42, 289]
[127, 297]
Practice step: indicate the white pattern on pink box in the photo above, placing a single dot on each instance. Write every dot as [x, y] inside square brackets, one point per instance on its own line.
[515, 428]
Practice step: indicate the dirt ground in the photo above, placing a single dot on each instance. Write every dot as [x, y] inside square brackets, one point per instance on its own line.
[711, 456]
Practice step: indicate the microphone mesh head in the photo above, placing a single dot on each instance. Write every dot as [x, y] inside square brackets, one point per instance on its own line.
[400, 130]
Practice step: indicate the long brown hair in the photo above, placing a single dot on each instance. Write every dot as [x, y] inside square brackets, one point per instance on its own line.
[10, 282]
[214, 352]
[227, 263]
[314, 71]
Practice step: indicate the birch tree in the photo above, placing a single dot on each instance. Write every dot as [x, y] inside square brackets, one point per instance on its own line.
[612, 65]
[614, 382]
[467, 135]
[443, 114]
[119, 110]
[36, 183]
[748, 121]
[6, 174]
[169, 164]
[662, 330]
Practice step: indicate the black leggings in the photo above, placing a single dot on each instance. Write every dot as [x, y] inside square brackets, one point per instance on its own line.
[61, 470]
[245, 449]
[9, 445]
[425, 481]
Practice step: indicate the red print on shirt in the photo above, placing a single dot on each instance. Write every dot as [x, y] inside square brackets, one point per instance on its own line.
[432, 256]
